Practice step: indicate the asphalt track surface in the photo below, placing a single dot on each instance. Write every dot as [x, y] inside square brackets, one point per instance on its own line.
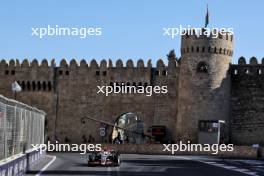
[147, 165]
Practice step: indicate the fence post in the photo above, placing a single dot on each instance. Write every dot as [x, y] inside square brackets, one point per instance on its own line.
[14, 132]
[5, 138]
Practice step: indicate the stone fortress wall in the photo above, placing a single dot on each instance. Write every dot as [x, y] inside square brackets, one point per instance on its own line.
[202, 84]
[69, 92]
[247, 101]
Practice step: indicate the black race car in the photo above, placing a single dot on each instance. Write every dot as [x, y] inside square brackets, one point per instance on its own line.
[104, 158]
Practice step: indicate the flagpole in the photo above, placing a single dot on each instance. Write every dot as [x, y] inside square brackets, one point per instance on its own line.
[206, 17]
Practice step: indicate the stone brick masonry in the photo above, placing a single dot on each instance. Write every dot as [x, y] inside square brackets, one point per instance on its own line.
[202, 84]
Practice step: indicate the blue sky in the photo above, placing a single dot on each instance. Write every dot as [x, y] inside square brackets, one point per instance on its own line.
[131, 29]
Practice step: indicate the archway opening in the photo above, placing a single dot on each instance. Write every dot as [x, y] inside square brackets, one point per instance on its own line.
[128, 128]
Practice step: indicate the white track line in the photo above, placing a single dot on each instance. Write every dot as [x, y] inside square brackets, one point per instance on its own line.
[46, 166]
[231, 168]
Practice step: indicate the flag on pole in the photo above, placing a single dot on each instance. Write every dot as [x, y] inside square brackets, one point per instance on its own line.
[206, 17]
[16, 87]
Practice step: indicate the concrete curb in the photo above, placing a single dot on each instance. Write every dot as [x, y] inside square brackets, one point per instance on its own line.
[20, 163]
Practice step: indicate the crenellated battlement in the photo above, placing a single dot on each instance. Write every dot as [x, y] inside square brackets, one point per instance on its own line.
[253, 61]
[214, 34]
[253, 68]
[93, 64]
[215, 42]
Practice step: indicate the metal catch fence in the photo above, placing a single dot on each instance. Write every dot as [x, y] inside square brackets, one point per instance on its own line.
[20, 126]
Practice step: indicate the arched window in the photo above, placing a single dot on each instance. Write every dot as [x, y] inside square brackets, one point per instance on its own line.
[202, 67]
[28, 86]
[44, 86]
[23, 85]
[39, 86]
[33, 86]
[49, 86]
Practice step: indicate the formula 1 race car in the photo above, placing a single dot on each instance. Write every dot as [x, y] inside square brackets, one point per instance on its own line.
[104, 158]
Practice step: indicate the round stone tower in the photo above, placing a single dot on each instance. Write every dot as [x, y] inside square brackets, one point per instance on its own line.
[204, 83]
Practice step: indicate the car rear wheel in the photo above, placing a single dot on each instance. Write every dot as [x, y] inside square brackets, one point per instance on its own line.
[118, 163]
